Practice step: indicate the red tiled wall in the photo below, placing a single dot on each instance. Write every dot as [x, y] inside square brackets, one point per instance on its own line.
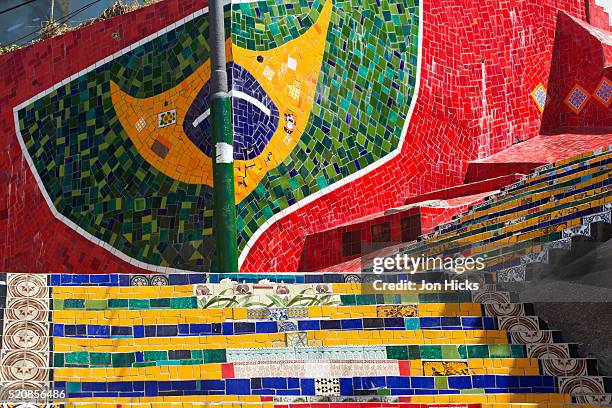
[431, 217]
[482, 171]
[325, 248]
[578, 59]
[466, 189]
[598, 16]
[452, 122]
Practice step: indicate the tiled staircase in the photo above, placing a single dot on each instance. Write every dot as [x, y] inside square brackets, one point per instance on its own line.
[553, 207]
[310, 342]
[326, 339]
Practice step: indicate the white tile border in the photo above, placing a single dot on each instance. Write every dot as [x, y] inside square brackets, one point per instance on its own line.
[268, 223]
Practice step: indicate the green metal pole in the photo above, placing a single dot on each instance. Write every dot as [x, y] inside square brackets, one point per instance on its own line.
[223, 150]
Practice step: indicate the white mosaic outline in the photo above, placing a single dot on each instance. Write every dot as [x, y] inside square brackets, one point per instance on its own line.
[268, 223]
[238, 95]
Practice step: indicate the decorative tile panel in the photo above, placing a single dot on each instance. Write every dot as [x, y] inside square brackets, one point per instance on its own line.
[577, 98]
[603, 92]
[540, 97]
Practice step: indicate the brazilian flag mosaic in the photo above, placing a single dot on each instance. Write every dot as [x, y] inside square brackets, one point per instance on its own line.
[321, 90]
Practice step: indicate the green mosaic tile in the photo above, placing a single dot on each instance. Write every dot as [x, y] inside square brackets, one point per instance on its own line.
[365, 299]
[397, 353]
[96, 304]
[184, 303]
[214, 356]
[412, 323]
[392, 299]
[449, 297]
[500, 350]
[431, 352]
[473, 391]
[77, 358]
[518, 351]
[348, 300]
[160, 303]
[58, 360]
[155, 355]
[144, 364]
[74, 303]
[441, 383]
[478, 351]
[450, 352]
[191, 362]
[271, 24]
[409, 298]
[100, 359]
[139, 304]
[414, 352]
[168, 363]
[164, 63]
[123, 359]
[97, 179]
[428, 298]
[118, 303]
[73, 387]
[379, 298]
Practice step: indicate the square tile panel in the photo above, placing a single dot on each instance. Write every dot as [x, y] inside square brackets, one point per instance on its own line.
[576, 99]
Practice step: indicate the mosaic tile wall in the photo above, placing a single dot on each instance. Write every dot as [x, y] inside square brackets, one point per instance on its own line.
[580, 85]
[479, 61]
[123, 150]
[469, 90]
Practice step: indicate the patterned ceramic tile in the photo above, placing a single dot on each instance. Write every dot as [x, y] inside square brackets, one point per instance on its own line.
[577, 98]
[327, 386]
[603, 93]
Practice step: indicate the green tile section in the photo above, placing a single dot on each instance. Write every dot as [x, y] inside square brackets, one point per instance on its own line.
[188, 302]
[473, 391]
[405, 299]
[453, 352]
[271, 24]
[358, 118]
[164, 63]
[397, 353]
[139, 359]
[441, 383]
